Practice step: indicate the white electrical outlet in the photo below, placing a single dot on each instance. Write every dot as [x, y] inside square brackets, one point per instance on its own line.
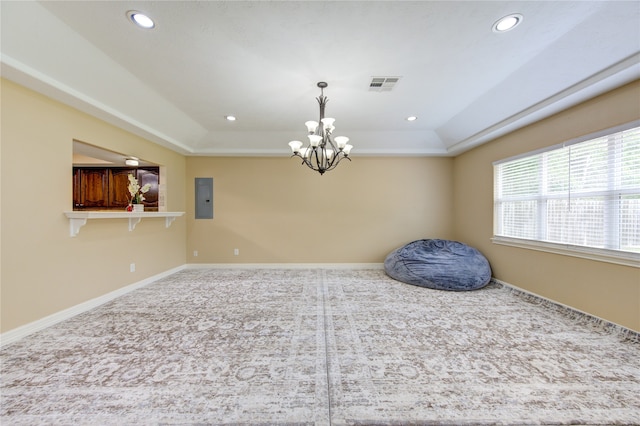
[236, 252]
[195, 253]
[132, 267]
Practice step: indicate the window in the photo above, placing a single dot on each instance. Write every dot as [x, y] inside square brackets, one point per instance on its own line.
[580, 197]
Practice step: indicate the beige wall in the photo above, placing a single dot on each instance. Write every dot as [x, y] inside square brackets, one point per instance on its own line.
[606, 290]
[276, 210]
[43, 269]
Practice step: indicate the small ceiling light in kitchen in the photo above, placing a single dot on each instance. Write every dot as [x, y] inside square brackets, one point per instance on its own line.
[140, 19]
[322, 153]
[507, 23]
[230, 117]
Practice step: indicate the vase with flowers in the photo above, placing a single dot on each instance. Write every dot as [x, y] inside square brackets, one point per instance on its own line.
[137, 194]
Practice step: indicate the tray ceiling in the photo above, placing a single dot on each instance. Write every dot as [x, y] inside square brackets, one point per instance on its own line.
[260, 61]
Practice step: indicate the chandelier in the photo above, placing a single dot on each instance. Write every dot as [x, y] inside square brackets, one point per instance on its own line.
[322, 153]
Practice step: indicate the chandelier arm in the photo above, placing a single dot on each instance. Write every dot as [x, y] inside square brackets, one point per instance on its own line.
[304, 160]
[335, 163]
[319, 167]
[326, 161]
[333, 146]
[336, 153]
[309, 161]
[301, 157]
[318, 163]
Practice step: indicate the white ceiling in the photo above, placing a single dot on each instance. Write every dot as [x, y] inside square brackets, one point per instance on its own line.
[261, 60]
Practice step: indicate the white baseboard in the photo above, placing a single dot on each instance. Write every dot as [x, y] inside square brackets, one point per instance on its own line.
[566, 307]
[285, 266]
[545, 299]
[16, 334]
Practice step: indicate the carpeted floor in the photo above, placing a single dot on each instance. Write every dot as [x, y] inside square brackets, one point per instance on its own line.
[319, 346]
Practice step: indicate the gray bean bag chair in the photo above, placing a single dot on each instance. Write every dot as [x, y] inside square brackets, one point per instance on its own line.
[440, 265]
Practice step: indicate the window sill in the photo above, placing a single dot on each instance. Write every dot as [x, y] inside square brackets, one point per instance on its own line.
[602, 255]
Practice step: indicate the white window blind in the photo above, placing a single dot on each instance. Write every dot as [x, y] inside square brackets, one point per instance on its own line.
[581, 194]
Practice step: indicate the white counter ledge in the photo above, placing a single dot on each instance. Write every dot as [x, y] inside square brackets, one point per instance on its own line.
[77, 219]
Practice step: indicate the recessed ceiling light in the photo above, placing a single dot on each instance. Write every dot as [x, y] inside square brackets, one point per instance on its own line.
[507, 23]
[230, 117]
[412, 118]
[140, 19]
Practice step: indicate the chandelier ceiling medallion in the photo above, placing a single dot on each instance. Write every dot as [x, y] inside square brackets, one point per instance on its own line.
[323, 153]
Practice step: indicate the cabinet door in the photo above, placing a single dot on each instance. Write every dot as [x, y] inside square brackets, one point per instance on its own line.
[118, 187]
[77, 191]
[94, 184]
[150, 177]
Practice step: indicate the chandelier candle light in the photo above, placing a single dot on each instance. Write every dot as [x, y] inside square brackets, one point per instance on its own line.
[323, 153]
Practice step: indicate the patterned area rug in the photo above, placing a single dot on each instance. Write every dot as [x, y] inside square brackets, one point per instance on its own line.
[316, 346]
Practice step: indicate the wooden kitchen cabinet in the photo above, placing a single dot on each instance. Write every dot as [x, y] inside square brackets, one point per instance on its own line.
[151, 177]
[99, 188]
[91, 187]
[118, 192]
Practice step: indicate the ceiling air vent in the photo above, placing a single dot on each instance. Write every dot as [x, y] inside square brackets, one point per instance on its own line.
[383, 84]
